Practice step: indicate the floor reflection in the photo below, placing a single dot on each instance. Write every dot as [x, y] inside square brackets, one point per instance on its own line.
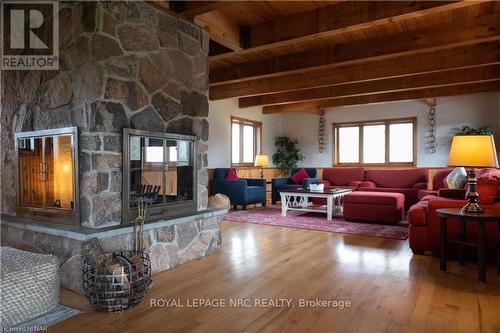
[370, 259]
[244, 252]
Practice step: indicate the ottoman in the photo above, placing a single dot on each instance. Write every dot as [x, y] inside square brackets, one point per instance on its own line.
[30, 285]
[381, 207]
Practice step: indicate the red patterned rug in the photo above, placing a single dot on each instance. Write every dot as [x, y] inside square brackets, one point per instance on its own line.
[317, 221]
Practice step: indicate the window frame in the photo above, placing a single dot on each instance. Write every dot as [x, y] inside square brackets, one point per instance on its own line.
[257, 125]
[387, 123]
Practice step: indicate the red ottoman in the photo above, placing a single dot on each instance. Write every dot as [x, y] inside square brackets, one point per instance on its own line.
[382, 207]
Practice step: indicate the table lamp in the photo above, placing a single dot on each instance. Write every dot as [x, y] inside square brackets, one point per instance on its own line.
[473, 151]
[261, 161]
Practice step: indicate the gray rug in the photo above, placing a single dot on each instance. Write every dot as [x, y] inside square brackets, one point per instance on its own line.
[40, 323]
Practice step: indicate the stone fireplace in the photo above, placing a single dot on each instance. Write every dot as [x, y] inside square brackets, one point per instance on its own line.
[125, 67]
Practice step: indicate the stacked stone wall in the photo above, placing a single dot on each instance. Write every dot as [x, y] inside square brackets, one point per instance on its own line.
[123, 64]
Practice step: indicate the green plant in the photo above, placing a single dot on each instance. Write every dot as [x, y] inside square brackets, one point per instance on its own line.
[467, 130]
[288, 155]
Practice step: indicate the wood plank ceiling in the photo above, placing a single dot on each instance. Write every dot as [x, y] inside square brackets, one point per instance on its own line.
[305, 56]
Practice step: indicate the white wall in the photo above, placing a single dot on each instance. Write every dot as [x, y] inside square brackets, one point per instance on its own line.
[219, 119]
[452, 112]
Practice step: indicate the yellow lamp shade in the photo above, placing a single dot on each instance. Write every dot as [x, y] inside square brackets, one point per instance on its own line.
[473, 151]
[261, 160]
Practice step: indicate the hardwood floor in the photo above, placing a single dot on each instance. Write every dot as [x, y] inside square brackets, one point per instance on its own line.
[390, 290]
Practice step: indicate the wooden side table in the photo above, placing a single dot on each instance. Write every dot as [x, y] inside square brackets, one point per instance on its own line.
[481, 219]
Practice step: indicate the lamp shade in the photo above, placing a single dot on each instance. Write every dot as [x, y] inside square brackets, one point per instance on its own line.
[261, 160]
[473, 151]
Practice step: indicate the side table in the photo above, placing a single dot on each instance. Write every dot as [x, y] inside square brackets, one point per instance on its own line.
[481, 219]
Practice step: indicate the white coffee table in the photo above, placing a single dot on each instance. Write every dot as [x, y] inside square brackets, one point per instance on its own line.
[298, 199]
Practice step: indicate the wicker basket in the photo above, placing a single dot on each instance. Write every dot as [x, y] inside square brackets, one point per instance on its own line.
[118, 290]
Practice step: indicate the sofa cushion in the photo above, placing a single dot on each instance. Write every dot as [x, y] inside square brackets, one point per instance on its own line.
[312, 172]
[343, 176]
[428, 197]
[438, 179]
[425, 193]
[299, 176]
[396, 178]
[231, 175]
[256, 194]
[420, 186]
[456, 178]
[409, 193]
[367, 184]
[377, 198]
[488, 185]
[450, 193]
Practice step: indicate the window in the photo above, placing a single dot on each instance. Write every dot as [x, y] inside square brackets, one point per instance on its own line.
[381, 142]
[246, 137]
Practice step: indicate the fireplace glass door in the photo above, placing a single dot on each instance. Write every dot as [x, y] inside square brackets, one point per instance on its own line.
[46, 183]
[160, 173]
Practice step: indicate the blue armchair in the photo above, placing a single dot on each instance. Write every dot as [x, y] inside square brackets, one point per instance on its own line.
[279, 184]
[245, 191]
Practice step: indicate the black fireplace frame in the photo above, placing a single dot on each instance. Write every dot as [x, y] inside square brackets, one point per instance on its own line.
[165, 210]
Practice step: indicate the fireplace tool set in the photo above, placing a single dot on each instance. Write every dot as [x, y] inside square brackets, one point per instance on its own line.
[139, 227]
[116, 281]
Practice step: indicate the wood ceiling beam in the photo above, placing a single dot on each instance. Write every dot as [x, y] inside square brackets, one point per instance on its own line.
[189, 9]
[426, 80]
[416, 94]
[344, 15]
[458, 57]
[341, 18]
[454, 33]
[195, 8]
[222, 29]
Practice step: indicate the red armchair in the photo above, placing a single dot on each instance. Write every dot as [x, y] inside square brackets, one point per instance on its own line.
[424, 223]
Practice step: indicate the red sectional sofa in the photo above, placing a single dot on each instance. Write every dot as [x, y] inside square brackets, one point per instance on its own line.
[424, 223]
[405, 181]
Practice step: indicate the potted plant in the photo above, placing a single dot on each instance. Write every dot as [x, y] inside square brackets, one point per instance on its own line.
[288, 154]
[467, 130]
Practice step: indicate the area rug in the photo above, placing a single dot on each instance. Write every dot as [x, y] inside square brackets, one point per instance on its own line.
[317, 221]
[40, 323]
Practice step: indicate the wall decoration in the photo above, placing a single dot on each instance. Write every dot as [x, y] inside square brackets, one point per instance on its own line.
[431, 144]
[321, 135]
